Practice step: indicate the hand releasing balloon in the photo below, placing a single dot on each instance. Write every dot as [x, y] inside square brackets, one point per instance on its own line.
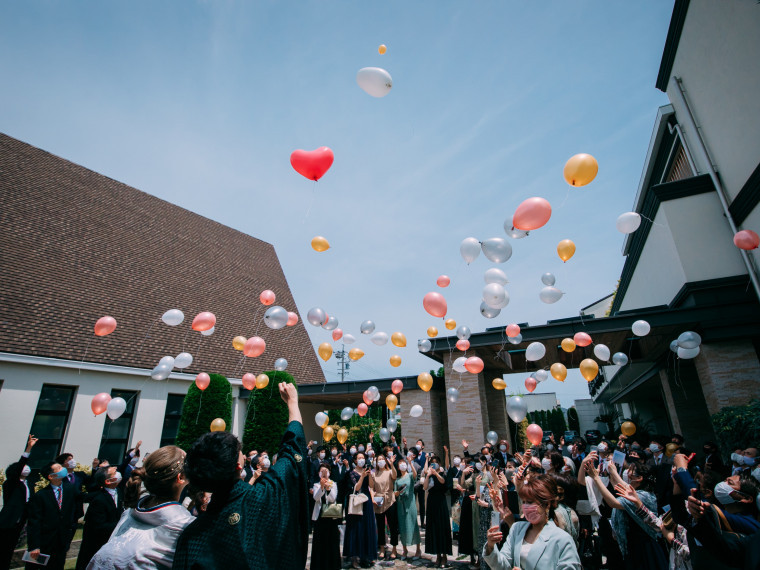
[105, 326]
[312, 164]
[99, 403]
[532, 214]
[580, 169]
[375, 81]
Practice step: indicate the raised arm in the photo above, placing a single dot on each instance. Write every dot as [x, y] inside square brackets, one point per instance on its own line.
[606, 495]
[289, 395]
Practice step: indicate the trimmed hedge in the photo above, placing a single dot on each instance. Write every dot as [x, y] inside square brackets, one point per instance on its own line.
[737, 427]
[200, 408]
[573, 421]
[267, 416]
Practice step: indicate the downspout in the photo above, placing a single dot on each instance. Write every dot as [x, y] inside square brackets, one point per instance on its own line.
[702, 149]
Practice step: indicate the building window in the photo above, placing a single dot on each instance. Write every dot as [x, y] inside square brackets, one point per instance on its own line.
[171, 419]
[113, 444]
[50, 422]
[680, 167]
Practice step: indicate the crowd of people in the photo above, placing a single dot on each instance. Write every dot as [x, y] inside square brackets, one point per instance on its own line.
[561, 505]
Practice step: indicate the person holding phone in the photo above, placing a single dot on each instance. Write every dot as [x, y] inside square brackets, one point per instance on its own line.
[438, 533]
[406, 507]
[360, 540]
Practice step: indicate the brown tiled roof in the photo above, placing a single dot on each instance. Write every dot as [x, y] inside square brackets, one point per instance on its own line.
[77, 245]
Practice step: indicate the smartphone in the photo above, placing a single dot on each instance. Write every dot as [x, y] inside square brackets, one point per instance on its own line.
[495, 518]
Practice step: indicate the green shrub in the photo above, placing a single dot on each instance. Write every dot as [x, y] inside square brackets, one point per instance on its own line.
[572, 420]
[200, 408]
[267, 417]
[359, 428]
[557, 423]
[737, 427]
[522, 439]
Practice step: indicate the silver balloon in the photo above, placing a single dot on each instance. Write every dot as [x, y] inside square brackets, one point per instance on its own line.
[497, 249]
[280, 364]
[492, 437]
[452, 395]
[602, 352]
[689, 339]
[173, 317]
[168, 360]
[424, 345]
[349, 339]
[463, 332]
[548, 279]
[469, 249]
[535, 351]
[687, 353]
[384, 434]
[674, 346]
[641, 328]
[315, 316]
[494, 295]
[183, 360]
[391, 424]
[373, 391]
[488, 312]
[459, 366]
[331, 324]
[376, 397]
[517, 339]
[367, 327]
[620, 358]
[379, 338]
[512, 231]
[208, 332]
[517, 409]
[495, 275]
[540, 375]
[346, 413]
[276, 317]
[550, 295]
[415, 411]
[161, 372]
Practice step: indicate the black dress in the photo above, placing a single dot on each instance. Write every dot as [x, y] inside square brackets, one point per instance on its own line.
[438, 529]
[466, 545]
[325, 544]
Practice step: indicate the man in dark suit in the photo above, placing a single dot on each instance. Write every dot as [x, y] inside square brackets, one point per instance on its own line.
[77, 478]
[106, 506]
[16, 494]
[713, 460]
[502, 456]
[51, 518]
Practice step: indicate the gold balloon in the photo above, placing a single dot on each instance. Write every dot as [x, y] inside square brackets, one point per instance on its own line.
[218, 425]
[325, 351]
[328, 433]
[425, 381]
[565, 249]
[398, 339]
[382, 49]
[262, 381]
[451, 324]
[320, 244]
[432, 332]
[580, 169]
[238, 342]
[355, 353]
[395, 361]
[391, 401]
[628, 428]
[342, 435]
[559, 371]
[589, 369]
[499, 383]
[670, 449]
[568, 344]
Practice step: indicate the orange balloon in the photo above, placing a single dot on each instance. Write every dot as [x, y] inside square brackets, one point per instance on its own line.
[104, 326]
[628, 428]
[218, 425]
[249, 381]
[474, 365]
[328, 433]
[425, 381]
[204, 321]
[450, 324]
[432, 332]
[568, 344]
[499, 383]
[342, 435]
[398, 339]
[589, 369]
[513, 330]
[395, 361]
[361, 409]
[397, 386]
[355, 353]
[565, 249]
[580, 169]
[238, 342]
[202, 381]
[463, 344]
[262, 381]
[100, 403]
[325, 351]
[320, 244]
[382, 49]
[391, 401]
[559, 371]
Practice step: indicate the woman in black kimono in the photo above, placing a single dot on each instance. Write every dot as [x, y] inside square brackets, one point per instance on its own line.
[360, 542]
[438, 533]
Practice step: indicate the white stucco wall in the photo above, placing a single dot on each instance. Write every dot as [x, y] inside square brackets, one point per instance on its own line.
[752, 222]
[718, 59]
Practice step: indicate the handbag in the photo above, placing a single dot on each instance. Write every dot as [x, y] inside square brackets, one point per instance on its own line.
[331, 511]
[456, 512]
[355, 502]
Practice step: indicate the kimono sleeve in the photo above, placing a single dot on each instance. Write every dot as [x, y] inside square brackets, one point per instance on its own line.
[292, 458]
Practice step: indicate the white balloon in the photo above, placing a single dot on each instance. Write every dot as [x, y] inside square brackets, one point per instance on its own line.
[391, 424]
[161, 372]
[116, 407]
[494, 295]
[535, 351]
[687, 353]
[208, 332]
[689, 339]
[168, 360]
[331, 324]
[602, 352]
[641, 328]
[489, 312]
[452, 395]
[495, 275]
[379, 338]
[628, 223]
[315, 316]
[517, 339]
[346, 413]
[384, 434]
[183, 360]
[349, 339]
[424, 345]
[550, 295]
[541, 375]
[469, 249]
[459, 366]
[320, 418]
[512, 231]
[374, 81]
[674, 346]
[416, 411]
[276, 317]
[463, 332]
[492, 437]
[373, 391]
[497, 249]
[620, 358]
[280, 364]
[173, 317]
[517, 409]
[367, 327]
[377, 397]
[548, 279]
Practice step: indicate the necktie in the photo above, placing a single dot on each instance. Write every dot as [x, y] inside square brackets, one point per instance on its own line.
[58, 496]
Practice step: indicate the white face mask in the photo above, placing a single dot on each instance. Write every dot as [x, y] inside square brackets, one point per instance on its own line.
[626, 477]
[503, 447]
[242, 473]
[654, 448]
[25, 471]
[402, 466]
[381, 464]
[353, 451]
[361, 448]
[360, 462]
[322, 455]
[723, 493]
[265, 463]
[117, 476]
[389, 455]
[71, 464]
[324, 475]
[457, 462]
[549, 446]
[602, 448]
[334, 452]
[478, 466]
[371, 453]
[419, 447]
[737, 458]
[546, 464]
[570, 448]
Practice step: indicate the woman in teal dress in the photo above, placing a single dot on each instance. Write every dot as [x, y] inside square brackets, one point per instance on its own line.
[407, 507]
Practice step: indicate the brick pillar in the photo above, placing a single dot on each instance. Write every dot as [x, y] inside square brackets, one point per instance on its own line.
[496, 402]
[729, 373]
[689, 414]
[468, 417]
[427, 427]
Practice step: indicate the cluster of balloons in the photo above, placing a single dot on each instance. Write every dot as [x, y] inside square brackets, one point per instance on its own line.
[686, 346]
[103, 402]
[550, 294]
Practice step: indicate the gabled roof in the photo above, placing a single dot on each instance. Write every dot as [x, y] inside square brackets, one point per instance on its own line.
[77, 245]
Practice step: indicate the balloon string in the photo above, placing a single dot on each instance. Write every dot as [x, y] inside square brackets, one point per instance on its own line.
[147, 334]
[200, 403]
[562, 205]
[652, 221]
[258, 321]
[311, 202]
[86, 348]
[183, 340]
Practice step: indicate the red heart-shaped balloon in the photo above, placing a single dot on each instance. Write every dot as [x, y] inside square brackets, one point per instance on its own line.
[312, 163]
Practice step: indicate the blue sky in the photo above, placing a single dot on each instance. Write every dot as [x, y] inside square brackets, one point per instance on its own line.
[201, 104]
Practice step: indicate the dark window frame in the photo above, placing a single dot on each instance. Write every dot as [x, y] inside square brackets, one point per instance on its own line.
[36, 463]
[165, 440]
[132, 398]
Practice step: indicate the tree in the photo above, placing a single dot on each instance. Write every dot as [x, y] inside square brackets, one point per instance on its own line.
[201, 407]
[573, 421]
[737, 427]
[267, 416]
[557, 422]
[522, 438]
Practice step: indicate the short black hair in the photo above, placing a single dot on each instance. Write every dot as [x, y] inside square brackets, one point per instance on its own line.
[101, 475]
[422, 442]
[63, 458]
[211, 463]
[679, 437]
[47, 469]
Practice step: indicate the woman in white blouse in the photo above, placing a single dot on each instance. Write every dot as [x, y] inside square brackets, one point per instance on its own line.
[325, 548]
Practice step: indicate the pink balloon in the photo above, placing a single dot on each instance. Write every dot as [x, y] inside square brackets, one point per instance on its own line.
[443, 281]
[367, 398]
[267, 297]
[99, 403]
[104, 326]
[474, 365]
[530, 383]
[532, 214]
[535, 434]
[746, 239]
[312, 163]
[435, 304]
[337, 334]
[202, 381]
[249, 381]
[292, 318]
[463, 344]
[204, 321]
[582, 339]
[397, 386]
[513, 330]
[254, 346]
[362, 409]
